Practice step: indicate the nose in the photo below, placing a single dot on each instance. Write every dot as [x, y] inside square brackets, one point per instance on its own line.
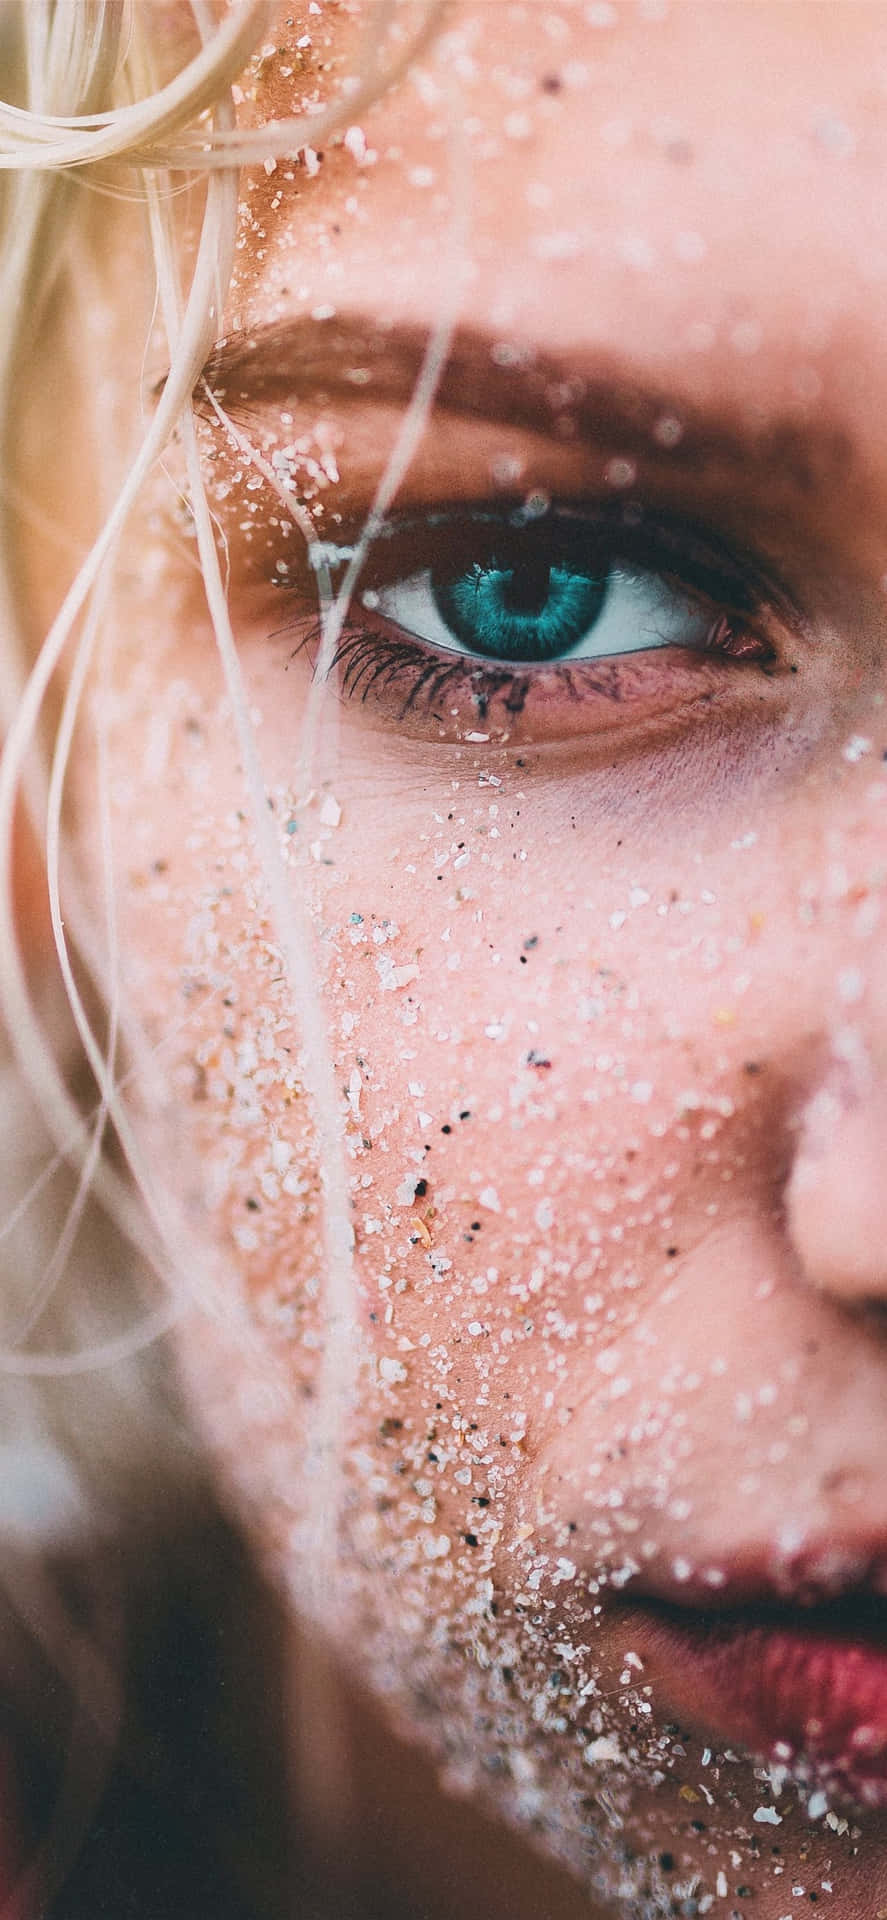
[836, 1196]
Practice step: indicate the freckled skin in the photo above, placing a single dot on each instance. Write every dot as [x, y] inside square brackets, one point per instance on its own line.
[582, 979]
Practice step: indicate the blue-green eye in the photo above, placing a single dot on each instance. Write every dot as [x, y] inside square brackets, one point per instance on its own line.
[532, 611]
[524, 612]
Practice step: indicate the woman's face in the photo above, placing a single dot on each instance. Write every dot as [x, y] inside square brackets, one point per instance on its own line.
[593, 837]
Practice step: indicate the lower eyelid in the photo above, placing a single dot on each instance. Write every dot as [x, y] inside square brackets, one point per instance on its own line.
[622, 704]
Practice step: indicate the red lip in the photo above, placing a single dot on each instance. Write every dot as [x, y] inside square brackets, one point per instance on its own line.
[786, 1653]
[805, 1688]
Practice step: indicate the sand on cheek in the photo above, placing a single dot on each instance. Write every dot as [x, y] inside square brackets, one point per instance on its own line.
[466, 1292]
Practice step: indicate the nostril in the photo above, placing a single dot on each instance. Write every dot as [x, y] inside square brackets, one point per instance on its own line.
[846, 1485]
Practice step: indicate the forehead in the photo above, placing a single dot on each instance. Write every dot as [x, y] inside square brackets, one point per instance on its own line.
[676, 162]
[692, 189]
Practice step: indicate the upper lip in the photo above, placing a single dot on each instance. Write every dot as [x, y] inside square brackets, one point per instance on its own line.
[817, 1573]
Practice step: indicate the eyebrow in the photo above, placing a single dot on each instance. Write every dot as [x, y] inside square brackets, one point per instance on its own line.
[579, 399]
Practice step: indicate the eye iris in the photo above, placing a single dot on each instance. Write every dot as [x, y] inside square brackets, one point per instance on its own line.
[531, 611]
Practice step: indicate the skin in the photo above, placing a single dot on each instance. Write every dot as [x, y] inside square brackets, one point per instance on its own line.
[609, 983]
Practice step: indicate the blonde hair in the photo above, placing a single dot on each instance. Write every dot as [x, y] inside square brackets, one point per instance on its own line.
[85, 52]
[85, 108]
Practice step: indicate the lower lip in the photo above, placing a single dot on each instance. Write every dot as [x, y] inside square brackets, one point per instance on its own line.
[810, 1692]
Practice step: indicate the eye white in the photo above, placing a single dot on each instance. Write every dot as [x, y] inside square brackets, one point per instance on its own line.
[640, 612]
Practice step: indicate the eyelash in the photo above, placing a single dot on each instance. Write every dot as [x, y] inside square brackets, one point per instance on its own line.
[378, 661]
[369, 661]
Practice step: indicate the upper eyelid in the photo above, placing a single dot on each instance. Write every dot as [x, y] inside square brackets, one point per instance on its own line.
[610, 404]
[701, 559]
[792, 563]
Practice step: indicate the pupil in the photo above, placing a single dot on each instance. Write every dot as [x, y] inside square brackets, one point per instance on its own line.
[526, 589]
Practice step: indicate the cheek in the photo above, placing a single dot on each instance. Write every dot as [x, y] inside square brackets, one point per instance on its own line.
[513, 1030]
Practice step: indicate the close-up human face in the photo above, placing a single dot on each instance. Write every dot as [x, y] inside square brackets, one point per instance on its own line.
[524, 1127]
